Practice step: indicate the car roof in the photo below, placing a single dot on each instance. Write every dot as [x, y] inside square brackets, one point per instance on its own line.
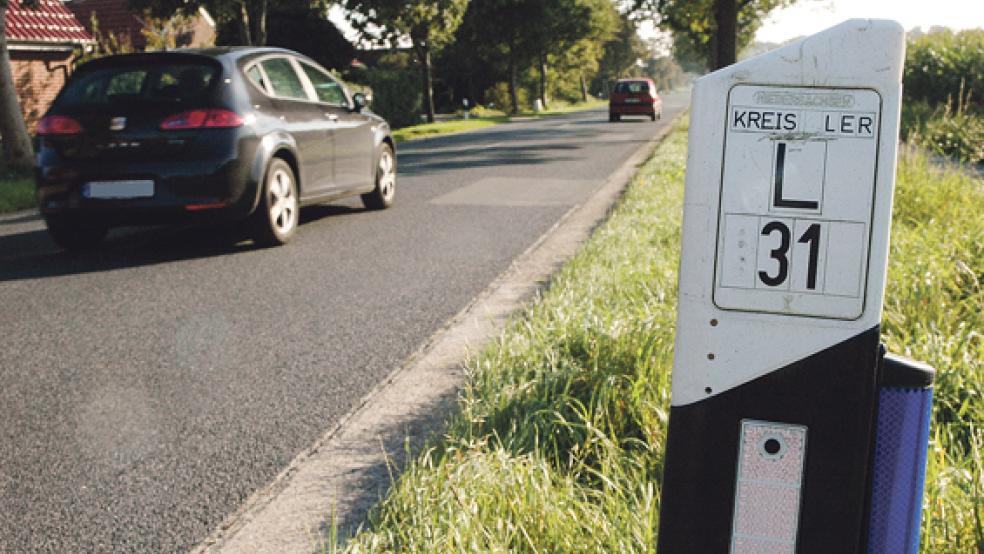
[220, 54]
[235, 52]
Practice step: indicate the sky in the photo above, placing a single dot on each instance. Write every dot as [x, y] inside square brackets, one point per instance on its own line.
[806, 17]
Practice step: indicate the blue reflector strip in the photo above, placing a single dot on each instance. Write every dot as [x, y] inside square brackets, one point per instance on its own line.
[902, 439]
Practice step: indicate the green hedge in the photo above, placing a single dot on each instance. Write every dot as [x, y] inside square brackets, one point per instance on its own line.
[943, 84]
[396, 95]
[942, 66]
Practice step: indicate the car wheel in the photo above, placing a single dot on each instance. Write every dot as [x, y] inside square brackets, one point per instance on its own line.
[382, 196]
[275, 220]
[615, 117]
[653, 116]
[72, 234]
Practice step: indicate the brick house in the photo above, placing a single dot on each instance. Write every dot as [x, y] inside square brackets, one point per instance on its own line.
[42, 44]
[115, 17]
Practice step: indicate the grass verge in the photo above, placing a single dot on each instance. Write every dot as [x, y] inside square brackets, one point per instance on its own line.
[487, 119]
[558, 446]
[445, 127]
[16, 190]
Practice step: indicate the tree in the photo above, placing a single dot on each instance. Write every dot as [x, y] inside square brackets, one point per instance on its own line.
[17, 149]
[581, 61]
[718, 29]
[563, 24]
[307, 30]
[249, 16]
[429, 24]
[504, 47]
[621, 54]
[300, 25]
[506, 31]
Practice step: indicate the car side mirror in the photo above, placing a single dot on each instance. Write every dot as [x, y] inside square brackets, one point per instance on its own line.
[360, 101]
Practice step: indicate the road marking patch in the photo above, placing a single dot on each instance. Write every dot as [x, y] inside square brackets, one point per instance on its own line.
[518, 192]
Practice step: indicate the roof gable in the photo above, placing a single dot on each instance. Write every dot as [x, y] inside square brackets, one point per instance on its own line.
[52, 22]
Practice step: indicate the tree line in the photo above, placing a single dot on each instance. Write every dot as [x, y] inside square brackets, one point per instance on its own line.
[509, 53]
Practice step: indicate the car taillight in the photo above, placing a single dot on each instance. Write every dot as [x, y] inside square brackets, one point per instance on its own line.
[58, 125]
[197, 119]
[223, 119]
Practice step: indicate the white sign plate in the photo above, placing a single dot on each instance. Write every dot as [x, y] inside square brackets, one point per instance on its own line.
[797, 193]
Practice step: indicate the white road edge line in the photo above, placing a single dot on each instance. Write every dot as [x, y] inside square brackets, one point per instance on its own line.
[330, 478]
[25, 215]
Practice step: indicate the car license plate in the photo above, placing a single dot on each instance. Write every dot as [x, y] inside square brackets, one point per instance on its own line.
[632, 100]
[119, 189]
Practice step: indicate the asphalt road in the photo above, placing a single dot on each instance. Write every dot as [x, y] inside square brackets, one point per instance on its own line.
[149, 387]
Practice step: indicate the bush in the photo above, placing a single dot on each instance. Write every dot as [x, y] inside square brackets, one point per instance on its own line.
[947, 130]
[482, 111]
[498, 97]
[396, 95]
[942, 66]
[959, 135]
[943, 108]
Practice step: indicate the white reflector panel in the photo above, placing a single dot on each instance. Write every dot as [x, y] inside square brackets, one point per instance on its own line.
[767, 496]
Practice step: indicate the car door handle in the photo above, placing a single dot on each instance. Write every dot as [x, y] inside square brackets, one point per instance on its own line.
[331, 117]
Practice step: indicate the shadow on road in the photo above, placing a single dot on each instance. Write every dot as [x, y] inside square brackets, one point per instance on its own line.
[33, 255]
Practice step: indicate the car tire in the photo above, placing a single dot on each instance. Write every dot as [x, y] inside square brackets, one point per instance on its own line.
[653, 116]
[73, 234]
[276, 217]
[383, 194]
[614, 117]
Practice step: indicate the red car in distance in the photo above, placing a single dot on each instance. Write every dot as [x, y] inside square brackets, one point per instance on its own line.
[634, 97]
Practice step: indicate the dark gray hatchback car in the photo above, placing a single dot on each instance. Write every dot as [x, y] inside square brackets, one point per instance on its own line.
[206, 135]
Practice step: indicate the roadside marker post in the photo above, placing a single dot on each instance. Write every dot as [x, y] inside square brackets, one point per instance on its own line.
[790, 429]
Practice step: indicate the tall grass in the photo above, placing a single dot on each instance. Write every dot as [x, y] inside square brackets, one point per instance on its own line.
[558, 446]
[934, 311]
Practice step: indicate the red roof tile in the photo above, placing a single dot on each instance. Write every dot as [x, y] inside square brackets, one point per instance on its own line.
[51, 22]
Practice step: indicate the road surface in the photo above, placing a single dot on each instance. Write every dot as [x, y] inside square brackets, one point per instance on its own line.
[149, 387]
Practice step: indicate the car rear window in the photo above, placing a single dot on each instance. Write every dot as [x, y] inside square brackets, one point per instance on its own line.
[171, 82]
[634, 87]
